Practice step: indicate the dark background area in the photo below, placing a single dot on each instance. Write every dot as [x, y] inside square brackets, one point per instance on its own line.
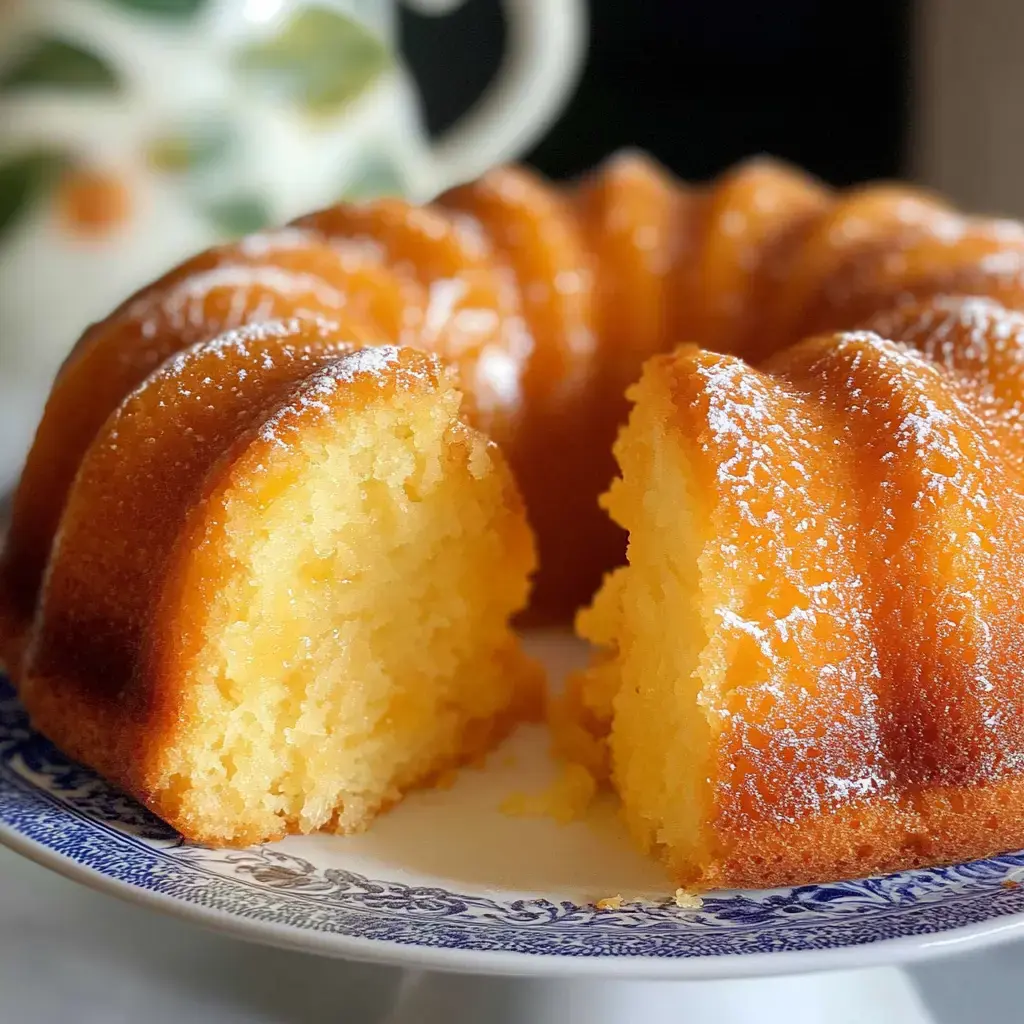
[702, 83]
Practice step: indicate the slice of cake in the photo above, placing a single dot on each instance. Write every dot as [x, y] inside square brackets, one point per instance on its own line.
[280, 591]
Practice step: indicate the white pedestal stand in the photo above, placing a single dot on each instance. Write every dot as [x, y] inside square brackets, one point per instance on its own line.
[878, 996]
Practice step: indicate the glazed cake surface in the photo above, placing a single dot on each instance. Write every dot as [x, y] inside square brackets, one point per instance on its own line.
[812, 665]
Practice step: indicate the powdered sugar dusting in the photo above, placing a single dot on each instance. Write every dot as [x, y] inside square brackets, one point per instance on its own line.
[382, 365]
[243, 341]
[253, 294]
[941, 519]
[467, 303]
[373, 361]
[979, 341]
[263, 244]
[497, 383]
[443, 298]
[801, 706]
[865, 533]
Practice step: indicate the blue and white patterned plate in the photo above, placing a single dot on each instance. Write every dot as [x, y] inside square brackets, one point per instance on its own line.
[449, 882]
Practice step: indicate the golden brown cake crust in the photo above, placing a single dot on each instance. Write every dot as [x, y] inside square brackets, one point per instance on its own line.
[537, 235]
[938, 825]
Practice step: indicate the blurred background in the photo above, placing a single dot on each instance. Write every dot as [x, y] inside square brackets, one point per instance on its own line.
[920, 89]
[703, 83]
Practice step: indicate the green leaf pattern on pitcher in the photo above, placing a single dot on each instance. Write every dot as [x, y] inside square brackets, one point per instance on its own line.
[164, 8]
[192, 148]
[316, 59]
[24, 180]
[54, 63]
[239, 215]
[377, 176]
[320, 59]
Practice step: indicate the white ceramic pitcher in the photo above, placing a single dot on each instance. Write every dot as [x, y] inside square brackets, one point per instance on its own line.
[133, 132]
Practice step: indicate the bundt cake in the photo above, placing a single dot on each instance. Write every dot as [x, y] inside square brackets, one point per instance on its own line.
[813, 664]
[807, 666]
[548, 300]
[280, 590]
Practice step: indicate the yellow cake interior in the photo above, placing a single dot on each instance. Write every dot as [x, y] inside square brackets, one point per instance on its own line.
[359, 641]
[646, 697]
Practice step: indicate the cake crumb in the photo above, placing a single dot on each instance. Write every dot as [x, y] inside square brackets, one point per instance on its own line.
[1013, 879]
[610, 903]
[517, 805]
[566, 799]
[687, 900]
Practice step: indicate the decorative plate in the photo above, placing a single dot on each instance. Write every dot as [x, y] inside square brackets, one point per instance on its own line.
[447, 881]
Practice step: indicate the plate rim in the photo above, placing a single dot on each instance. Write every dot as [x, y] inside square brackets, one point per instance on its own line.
[40, 847]
[906, 949]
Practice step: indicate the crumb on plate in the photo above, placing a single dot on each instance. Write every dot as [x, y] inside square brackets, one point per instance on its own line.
[687, 900]
[566, 799]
